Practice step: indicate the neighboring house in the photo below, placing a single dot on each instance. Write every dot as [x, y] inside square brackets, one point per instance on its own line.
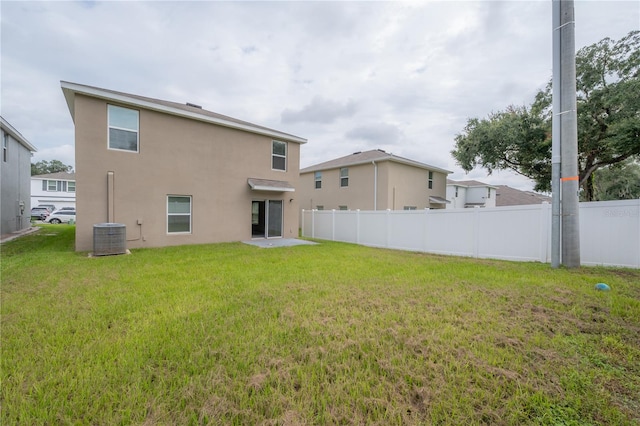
[15, 172]
[177, 174]
[507, 196]
[58, 189]
[470, 193]
[372, 180]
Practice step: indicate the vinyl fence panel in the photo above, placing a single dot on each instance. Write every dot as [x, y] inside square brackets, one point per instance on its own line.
[609, 231]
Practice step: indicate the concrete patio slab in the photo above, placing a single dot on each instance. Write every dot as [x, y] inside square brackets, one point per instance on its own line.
[279, 242]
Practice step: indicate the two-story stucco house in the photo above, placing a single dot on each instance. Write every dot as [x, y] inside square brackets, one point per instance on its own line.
[15, 172]
[372, 180]
[58, 189]
[176, 174]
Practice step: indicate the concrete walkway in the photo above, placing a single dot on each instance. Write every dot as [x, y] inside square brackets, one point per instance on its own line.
[279, 242]
[12, 236]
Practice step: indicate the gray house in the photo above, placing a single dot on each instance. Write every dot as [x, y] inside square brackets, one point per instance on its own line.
[15, 181]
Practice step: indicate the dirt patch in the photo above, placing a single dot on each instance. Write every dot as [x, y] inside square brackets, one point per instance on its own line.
[256, 382]
[508, 342]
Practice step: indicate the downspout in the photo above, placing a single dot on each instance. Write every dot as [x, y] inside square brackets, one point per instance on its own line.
[375, 185]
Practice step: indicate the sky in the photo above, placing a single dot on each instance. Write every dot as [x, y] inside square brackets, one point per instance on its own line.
[348, 76]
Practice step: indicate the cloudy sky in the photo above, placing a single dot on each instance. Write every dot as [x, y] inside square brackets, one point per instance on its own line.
[348, 76]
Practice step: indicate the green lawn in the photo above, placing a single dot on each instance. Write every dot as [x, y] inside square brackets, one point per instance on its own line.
[326, 334]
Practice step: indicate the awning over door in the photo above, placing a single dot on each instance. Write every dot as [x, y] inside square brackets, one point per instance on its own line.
[438, 200]
[270, 185]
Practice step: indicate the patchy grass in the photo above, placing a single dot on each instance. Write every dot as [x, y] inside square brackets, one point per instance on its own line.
[327, 334]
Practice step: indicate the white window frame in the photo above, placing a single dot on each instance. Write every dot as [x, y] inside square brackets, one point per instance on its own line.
[70, 185]
[190, 214]
[317, 178]
[49, 186]
[136, 131]
[274, 155]
[344, 177]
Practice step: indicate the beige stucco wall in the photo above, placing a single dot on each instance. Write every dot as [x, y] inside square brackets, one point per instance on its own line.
[399, 185]
[358, 195]
[178, 156]
[408, 186]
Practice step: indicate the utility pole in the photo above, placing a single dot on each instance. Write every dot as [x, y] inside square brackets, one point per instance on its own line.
[565, 226]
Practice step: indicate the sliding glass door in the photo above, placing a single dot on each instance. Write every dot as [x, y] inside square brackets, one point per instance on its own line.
[274, 219]
[266, 219]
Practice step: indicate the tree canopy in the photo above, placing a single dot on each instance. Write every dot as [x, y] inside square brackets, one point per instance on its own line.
[519, 138]
[45, 167]
[617, 182]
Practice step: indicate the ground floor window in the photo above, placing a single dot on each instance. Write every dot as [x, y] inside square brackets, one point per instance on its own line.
[179, 214]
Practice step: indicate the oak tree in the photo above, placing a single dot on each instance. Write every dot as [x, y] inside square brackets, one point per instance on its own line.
[608, 100]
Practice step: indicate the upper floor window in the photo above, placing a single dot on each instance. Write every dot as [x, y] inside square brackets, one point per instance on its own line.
[430, 180]
[123, 128]
[278, 155]
[456, 191]
[488, 192]
[5, 146]
[343, 208]
[318, 180]
[344, 176]
[71, 187]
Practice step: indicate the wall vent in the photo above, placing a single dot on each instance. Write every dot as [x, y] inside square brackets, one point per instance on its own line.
[109, 238]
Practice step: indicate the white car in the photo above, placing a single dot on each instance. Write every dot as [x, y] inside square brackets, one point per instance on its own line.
[61, 216]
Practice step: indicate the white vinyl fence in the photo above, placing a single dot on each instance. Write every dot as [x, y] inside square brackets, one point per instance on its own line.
[609, 231]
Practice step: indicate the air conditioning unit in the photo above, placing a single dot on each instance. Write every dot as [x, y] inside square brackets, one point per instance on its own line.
[109, 238]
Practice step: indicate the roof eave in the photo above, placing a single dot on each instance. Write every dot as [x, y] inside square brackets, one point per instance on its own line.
[319, 167]
[70, 89]
[17, 135]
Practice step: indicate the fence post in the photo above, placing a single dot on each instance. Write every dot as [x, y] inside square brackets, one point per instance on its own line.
[638, 264]
[333, 224]
[358, 226]
[425, 230]
[313, 223]
[388, 227]
[476, 232]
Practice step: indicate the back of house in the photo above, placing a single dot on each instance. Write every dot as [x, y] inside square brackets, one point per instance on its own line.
[177, 174]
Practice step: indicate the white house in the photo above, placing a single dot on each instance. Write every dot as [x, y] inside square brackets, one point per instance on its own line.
[470, 193]
[58, 189]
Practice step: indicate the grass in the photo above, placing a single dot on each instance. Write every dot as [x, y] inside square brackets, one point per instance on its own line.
[326, 334]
